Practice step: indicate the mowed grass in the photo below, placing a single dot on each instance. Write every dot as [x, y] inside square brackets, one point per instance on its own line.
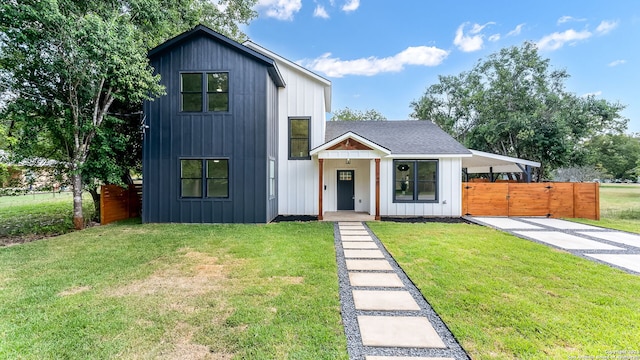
[619, 207]
[508, 298]
[38, 215]
[173, 291]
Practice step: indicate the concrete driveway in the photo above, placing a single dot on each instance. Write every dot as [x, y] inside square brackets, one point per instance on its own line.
[615, 248]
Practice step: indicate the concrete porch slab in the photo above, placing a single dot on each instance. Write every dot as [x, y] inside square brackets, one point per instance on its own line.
[359, 245]
[356, 237]
[363, 254]
[375, 279]
[627, 261]
[615, 236]
[347, 216]
[561, 224]
[384, 300]
[398, 331]
[379, 265]
[506, 223]
[566, 241]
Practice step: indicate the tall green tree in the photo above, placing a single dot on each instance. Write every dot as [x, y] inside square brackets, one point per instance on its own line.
[514, 103]
[348, 114]
[66, 62]
[617, 154]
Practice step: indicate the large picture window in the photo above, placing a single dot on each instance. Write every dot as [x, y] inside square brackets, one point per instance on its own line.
[193, 90]
[299, 136]
[204, 178]
[415, 181]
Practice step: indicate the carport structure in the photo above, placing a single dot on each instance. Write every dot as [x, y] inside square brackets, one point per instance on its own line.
[486, 163]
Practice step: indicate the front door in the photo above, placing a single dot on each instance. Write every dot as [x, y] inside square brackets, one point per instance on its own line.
[346, 190]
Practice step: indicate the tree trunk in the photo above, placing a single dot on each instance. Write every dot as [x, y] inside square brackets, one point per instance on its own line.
[78, 218]
[96, 203]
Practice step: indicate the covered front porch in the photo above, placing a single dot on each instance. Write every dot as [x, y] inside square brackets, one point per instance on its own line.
[349, 176]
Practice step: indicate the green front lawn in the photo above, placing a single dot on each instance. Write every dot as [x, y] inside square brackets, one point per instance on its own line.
[508, 298]
[173, 291]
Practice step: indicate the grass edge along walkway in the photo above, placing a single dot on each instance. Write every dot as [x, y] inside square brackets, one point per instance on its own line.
[508, 298]
[173, 291]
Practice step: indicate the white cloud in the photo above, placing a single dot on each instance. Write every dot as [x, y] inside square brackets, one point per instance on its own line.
[351, 5]
[334, 67]
[557, 40]
[595, 93]
[472, 41]
[494, 37]
[320, 12]
[617, 63]
[516, 31]
[606, 26]
[566, 19]
[279, 9]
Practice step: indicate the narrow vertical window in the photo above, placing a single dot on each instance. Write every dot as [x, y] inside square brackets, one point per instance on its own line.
[299, 138]
[218, 178]
[404, 180]
[272, 178]
[217, 92]
[191, 178]
[426, 180]
[190, 92]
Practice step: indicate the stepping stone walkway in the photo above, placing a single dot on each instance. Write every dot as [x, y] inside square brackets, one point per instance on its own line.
[385, 316]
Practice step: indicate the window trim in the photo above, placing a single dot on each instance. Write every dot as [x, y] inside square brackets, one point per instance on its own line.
[272, 177]
[308, 119]
[204, 93]
[204, 179]
[415, 181]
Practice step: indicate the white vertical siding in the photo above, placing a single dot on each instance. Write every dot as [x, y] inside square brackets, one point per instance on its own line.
[298, 179]
[362, 184]
[449, 192]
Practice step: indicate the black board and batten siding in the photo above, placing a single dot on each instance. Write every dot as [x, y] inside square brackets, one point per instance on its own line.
[245, 135]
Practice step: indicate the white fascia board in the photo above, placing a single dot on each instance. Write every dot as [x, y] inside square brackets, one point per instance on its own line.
[504, 159]
[426, 156]
[350, 135]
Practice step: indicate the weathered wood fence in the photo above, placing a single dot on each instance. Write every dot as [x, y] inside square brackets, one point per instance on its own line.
[117, 203]
[557, 200]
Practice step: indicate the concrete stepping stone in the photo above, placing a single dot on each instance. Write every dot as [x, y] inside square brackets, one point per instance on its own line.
[615, 236]
[566, 241]
[375, 279]
[405, 358]
[352, 227]
[363, 254]
[380, 265]
[398, 331]
[349, 223]
[354, 232]
[562, 224]
[627, 261]
[356, 238]
[384, 300]
[506, 223]
[359, 245]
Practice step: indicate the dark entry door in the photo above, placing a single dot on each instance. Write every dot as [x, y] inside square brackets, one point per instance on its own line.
[346, 190]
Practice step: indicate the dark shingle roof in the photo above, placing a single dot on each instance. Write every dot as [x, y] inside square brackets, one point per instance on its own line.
[401, 137]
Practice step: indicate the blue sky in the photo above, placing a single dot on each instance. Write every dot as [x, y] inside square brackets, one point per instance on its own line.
[384, 54]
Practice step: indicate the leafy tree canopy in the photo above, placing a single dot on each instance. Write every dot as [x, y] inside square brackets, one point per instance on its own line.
[65, 63]
[616, 154]
[348, 114]
[513, 103]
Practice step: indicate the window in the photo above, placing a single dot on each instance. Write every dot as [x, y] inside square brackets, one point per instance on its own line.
[215, 177]
[216, 90]
[415, 181]
[272, 178]
[299, 138]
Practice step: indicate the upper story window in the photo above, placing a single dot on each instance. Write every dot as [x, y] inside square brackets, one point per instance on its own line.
[193, 89]
[415, 181]
[299, 138]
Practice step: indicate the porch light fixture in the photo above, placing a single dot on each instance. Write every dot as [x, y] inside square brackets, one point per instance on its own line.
[348, 161]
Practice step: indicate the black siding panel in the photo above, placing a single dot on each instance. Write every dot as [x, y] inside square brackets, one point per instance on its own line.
[240, 135]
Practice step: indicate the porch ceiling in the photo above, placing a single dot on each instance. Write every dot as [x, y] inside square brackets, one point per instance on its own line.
[483, 162]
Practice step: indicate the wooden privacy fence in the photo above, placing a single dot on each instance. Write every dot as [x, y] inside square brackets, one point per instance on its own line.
[558, 200]
[118, 203]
